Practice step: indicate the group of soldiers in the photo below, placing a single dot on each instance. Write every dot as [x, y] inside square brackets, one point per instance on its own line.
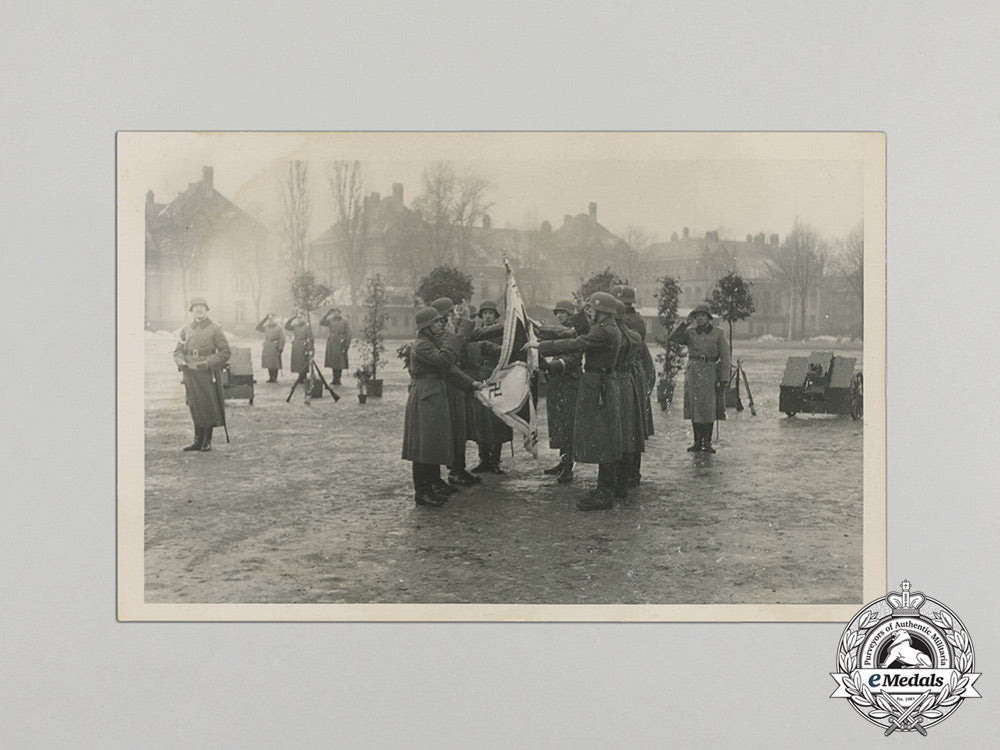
[338, 343]
[598, 368]
[600, 376]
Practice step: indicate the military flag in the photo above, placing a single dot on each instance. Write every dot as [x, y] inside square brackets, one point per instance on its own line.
[507, 391]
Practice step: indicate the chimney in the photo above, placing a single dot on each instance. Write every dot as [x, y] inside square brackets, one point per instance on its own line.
[759, 239]
[673, 237]
[592, 208]
[774, 240]
[207, 180]
[749, 238]
[486, 221]
[686, 232]
[397, 191]
[546, 226]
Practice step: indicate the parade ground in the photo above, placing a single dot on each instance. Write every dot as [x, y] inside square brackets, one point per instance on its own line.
[312, 503]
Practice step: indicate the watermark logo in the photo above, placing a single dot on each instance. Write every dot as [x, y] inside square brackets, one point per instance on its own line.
[906, 662]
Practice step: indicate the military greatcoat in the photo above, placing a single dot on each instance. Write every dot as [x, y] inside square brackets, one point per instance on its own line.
[200, 354]
[427, 436]
[302, 343]
[708, 364]
[564, 383]
[337, 343]
[597, 435]
[632, 393]
[274, 344]
[483, 426]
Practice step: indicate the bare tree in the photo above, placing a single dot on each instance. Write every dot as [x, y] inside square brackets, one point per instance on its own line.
[347, 185]
[296, 215]
[451, 205]
[850, 261]
[798, 264]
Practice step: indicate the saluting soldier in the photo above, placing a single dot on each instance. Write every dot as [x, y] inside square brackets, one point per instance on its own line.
[492, 432]
[274, 345]
[200, 355]
[427, 438]
[707, 372]
[302, 344]
[563, 374]
[632, 394]
[597, 434]
[337, 343]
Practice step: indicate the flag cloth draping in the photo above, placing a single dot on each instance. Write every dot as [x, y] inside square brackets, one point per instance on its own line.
[507, 391]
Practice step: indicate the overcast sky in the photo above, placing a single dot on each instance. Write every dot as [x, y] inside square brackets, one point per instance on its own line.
[735, 196]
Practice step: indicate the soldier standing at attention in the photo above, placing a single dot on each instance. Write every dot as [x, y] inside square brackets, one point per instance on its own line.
[633, 419]
[200, 355]
[563, 373]
[302, 344]
[274, 344]
[337, 343]
[644, 370]
[427, 438]
[597, 432]
[493, 433]
[706, 375]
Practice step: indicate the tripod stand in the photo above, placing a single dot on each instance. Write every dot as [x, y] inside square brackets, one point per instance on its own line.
[306, 376]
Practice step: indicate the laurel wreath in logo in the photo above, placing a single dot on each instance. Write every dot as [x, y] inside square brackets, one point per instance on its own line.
[950, 694]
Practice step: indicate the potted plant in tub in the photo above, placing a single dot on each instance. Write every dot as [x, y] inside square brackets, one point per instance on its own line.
[371, 334]
[364, 377]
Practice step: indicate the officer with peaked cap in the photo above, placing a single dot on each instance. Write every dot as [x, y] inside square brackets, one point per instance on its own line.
[706, 375]
[200, 354]
[563, 374]
[338, 343]
[597, 435]
[427, 439]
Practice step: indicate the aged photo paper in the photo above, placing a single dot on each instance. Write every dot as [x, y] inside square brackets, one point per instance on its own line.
[298, 505]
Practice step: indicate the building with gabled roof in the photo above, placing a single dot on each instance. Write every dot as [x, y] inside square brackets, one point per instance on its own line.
[202, 245]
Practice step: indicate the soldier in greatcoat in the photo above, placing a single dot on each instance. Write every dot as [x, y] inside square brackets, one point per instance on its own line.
[644, 370]
[632, 395]
[597, 434]
[273, 346]
[302, 344]
[492, 432]
[456, 384]
[563, 375]
[706, 375]
[200, 354]
[427, 438]
[338, 342]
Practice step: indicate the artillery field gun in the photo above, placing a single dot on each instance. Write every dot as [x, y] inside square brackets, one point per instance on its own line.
[822, 383]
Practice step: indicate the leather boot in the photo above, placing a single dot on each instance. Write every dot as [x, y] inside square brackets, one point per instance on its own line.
[620, 488]
[495, 459]
[696, 447]
[600, 499]
[633, 476]
[457, 478]
[470, 478]
[706, 438]
[196, 445]
[206, 439]
[484, 460]
[442, 488]
[424, 496]
[557, 469]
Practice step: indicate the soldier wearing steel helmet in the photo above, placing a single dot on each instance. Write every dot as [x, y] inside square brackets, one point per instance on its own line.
[597, 435]
[200, 354]
[427, 437]
[706, 375]
[563, 374]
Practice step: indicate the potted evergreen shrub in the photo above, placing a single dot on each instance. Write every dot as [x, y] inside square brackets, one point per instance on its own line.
[372, 334]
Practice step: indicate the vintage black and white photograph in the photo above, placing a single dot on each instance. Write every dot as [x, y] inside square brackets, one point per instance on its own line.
[493, 376]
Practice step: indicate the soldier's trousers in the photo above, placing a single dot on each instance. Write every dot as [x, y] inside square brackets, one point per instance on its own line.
[424, 475]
